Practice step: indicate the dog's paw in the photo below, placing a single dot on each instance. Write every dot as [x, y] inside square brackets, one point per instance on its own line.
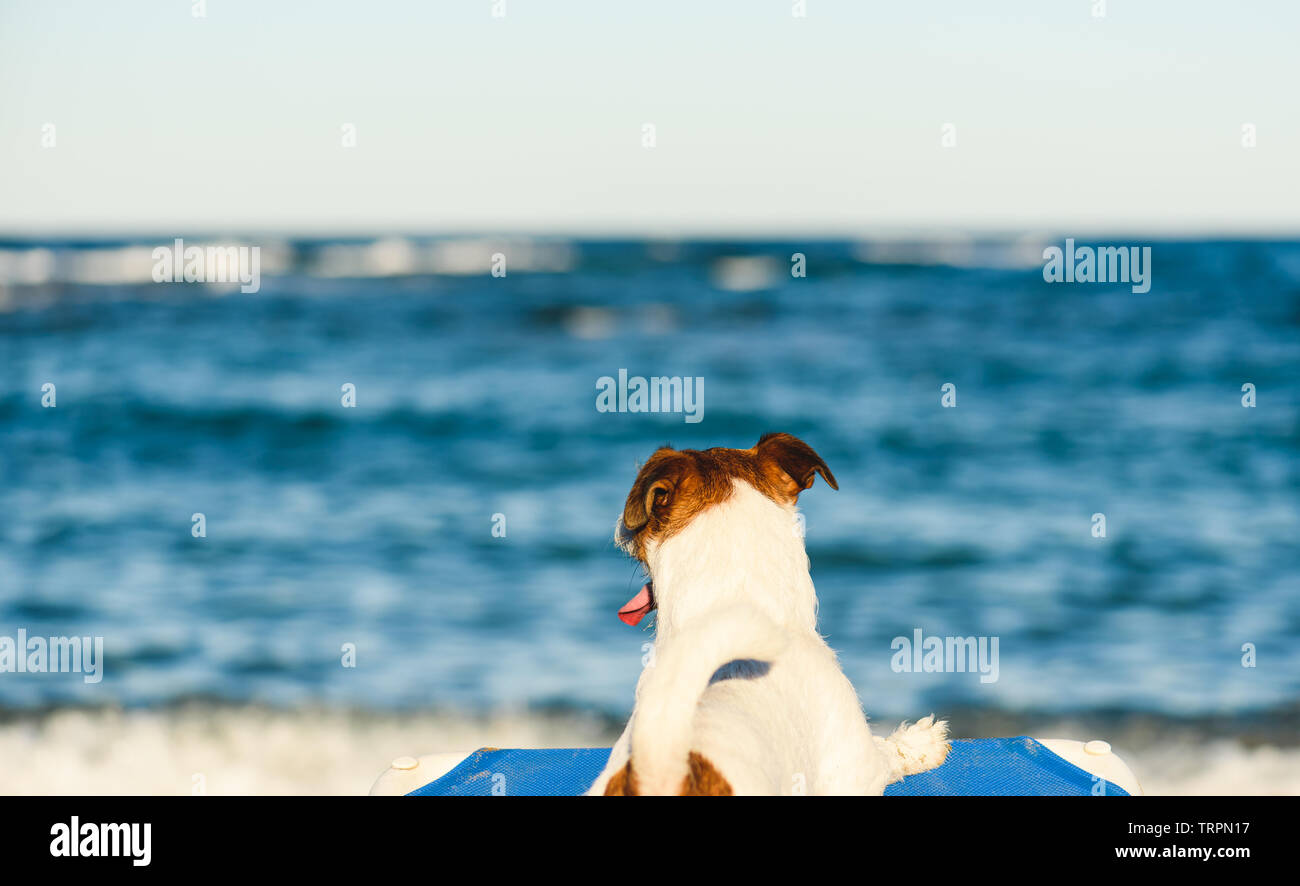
[921, 746]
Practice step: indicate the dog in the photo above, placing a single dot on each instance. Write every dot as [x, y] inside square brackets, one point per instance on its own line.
[742, 696]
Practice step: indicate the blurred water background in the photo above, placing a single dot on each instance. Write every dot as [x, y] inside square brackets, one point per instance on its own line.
[476, 396]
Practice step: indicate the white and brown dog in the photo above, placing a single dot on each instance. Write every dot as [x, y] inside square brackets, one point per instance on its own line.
[742, 695]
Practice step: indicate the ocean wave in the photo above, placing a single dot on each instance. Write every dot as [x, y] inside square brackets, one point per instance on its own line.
[250, 750]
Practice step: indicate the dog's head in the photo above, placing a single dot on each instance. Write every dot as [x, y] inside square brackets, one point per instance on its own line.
[676, 485]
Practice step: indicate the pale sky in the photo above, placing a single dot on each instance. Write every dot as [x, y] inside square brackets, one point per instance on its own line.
[764, 122]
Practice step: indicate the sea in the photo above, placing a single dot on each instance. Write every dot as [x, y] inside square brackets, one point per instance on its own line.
[366, 508]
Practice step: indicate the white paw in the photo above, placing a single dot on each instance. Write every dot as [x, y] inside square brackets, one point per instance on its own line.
[921, 746]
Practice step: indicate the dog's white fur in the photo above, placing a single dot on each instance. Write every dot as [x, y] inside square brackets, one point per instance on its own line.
[734, 585]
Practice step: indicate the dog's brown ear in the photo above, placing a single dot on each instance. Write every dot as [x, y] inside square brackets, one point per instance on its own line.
[657, 497]
[795, 459]
[651, 495]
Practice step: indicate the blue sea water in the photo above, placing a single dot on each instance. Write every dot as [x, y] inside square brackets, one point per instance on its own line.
[476, 396]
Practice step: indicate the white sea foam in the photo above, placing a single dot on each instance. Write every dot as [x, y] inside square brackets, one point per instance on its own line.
[257, 751]
[1218, 767]
[241, 751]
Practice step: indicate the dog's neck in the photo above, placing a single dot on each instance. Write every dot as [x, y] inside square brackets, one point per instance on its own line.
[748, 549]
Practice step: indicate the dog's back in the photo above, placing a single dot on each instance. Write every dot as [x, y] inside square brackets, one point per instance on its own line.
[785, 726]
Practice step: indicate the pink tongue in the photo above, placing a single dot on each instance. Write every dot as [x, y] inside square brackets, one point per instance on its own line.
[635, 609]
